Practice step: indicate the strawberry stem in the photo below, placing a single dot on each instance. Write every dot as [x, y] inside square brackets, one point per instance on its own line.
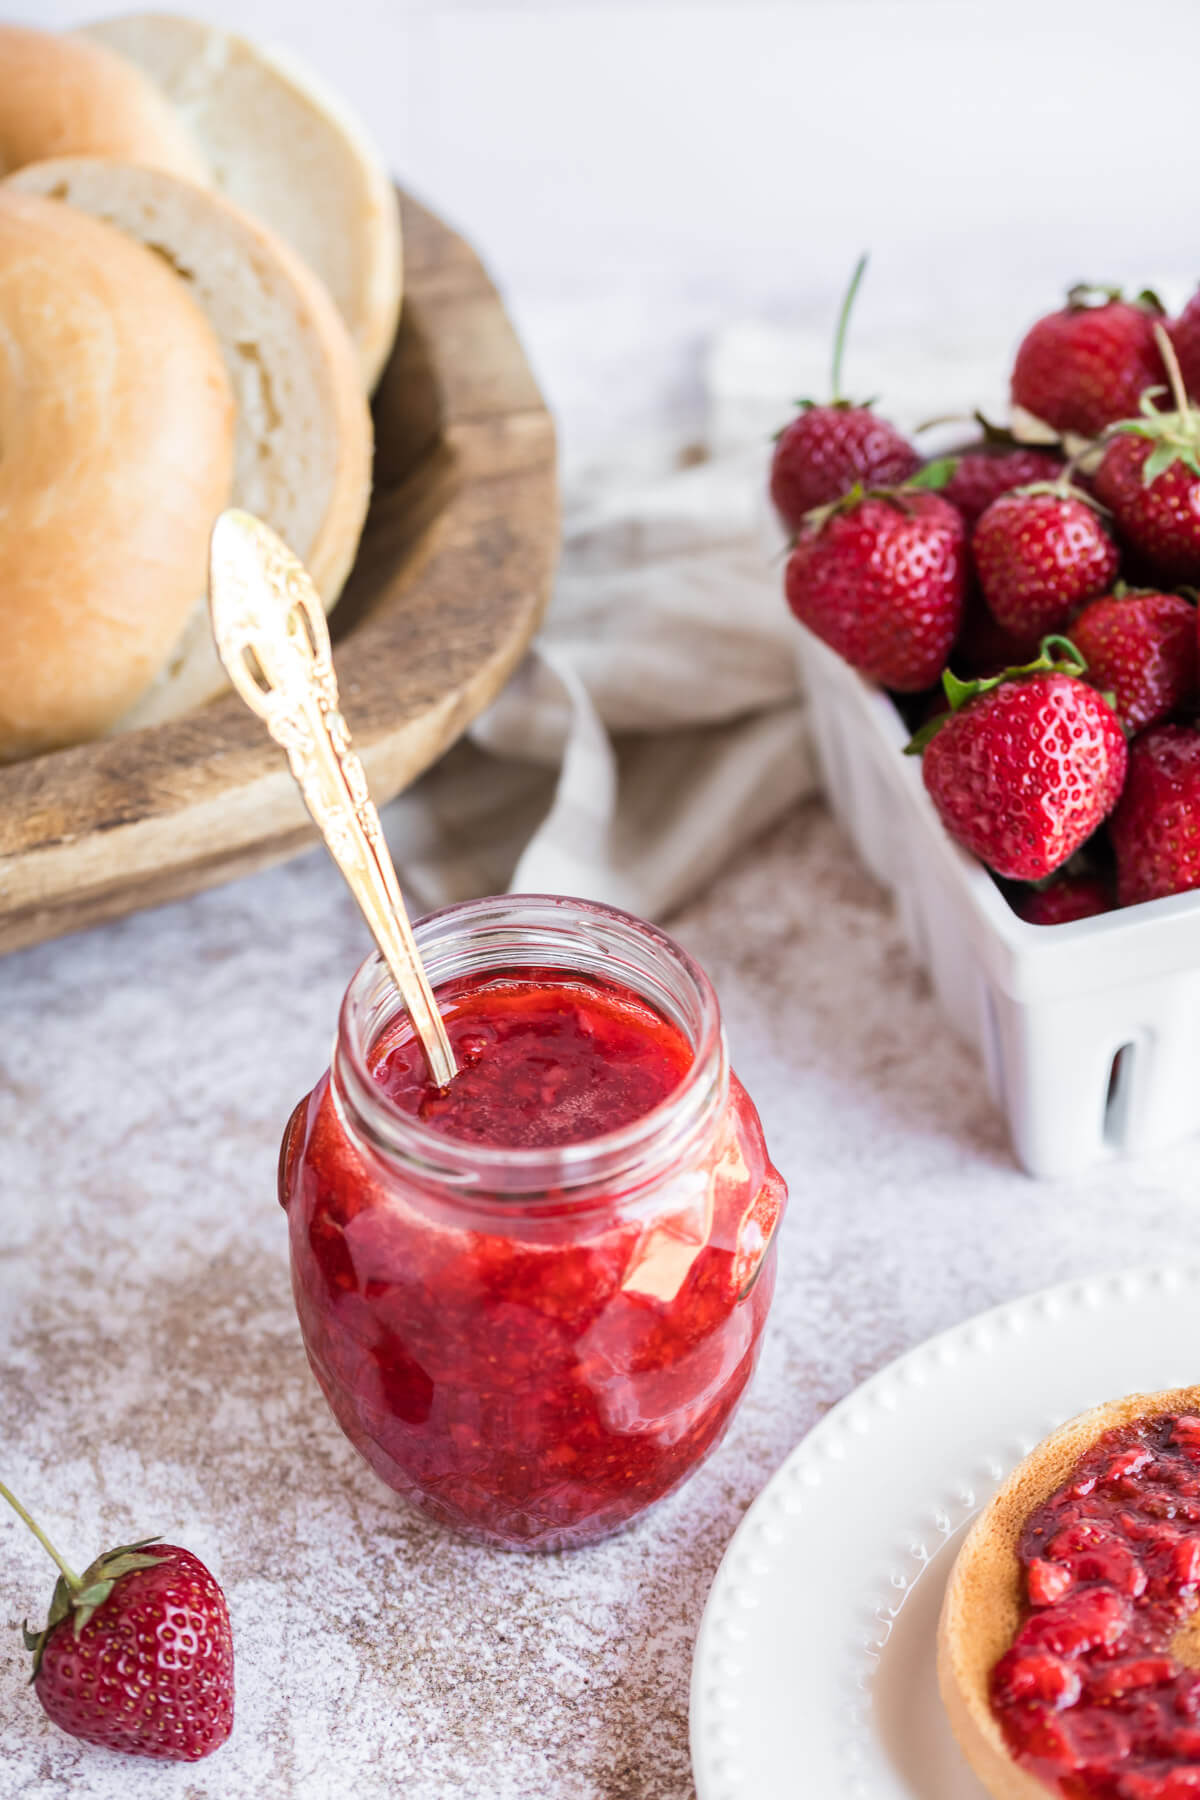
[1174, 373]
[839, 340]
[72, 1579]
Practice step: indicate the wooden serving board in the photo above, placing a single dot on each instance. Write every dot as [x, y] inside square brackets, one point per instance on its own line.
[452, 577]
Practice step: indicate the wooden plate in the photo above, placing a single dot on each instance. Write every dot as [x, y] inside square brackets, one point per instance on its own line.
[452, 576]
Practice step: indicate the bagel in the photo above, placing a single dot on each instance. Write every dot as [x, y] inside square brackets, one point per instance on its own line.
[985, 1600]
[288, 152]
[303, 440]
[66, 96]
[116, 453]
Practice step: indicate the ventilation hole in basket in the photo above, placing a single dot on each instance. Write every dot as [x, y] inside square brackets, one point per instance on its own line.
[993, 1057]
[1116, 1104]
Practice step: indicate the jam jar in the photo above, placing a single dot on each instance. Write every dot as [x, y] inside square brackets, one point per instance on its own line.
[533, 1299]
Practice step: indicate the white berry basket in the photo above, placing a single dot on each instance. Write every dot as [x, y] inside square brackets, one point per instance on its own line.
[1089, 1032]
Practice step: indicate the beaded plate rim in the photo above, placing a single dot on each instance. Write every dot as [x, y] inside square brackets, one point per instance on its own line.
[774, 1521]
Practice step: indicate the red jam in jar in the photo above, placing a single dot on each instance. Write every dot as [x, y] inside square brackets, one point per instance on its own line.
[533, 1300]
[1093, 1697]
[541, 1060]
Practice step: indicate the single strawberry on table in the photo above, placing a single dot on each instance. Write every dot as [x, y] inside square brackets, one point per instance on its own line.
[1026, 765]
[1155, 831]
[1140, 646]
[1039, 551]
[1149, 478]
[1079, 369]
[826, 449]
[137, 1652]
[881, 577]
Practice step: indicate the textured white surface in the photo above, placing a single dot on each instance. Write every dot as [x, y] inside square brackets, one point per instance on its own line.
[865, 1519]
[152, 1375]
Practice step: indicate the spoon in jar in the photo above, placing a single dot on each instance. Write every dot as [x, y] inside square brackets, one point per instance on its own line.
[273, 639]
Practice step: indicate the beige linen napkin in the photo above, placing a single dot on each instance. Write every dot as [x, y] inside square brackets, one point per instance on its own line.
[656, 728]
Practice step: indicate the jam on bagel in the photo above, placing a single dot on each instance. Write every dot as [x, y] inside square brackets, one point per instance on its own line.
[1093, 1696]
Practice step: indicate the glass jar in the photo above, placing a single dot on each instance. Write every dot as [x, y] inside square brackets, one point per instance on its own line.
[532, 1345]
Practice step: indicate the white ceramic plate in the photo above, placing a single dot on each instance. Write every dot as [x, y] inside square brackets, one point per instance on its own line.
[814, 1672]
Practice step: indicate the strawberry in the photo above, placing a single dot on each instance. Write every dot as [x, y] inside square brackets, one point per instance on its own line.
[1079, 369]
[1069, 898]
[1140, 647]
[1025, 766]
[1038, 552]
[881, 578]
[1149, 478]
[137, 1653]
[1036, 1675]
[1156, 829]
[1185, 336]
[995, 466]
[827, 449]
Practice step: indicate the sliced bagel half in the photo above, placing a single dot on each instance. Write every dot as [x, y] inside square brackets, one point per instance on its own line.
[116, 451]
[303, 440]
[289, 152]
[985, 1598]
[62, 95]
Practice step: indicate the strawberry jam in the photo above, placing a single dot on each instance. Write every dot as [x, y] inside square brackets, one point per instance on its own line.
[534, 1299]
[1092, 1696]
[539, 1061]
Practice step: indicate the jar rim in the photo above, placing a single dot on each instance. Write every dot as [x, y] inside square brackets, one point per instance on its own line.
[529, 929]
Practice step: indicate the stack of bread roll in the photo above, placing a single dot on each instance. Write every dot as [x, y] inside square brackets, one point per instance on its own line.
[199, 285]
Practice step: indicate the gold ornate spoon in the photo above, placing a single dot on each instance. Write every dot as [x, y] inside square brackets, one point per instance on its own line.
[271, 635]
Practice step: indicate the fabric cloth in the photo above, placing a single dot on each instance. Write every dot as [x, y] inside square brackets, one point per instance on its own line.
[657, 727]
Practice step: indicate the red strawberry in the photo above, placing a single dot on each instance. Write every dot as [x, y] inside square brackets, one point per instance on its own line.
[1156, 828]
[1141, 647]
[1069, 898]
[1038, 552]
[137, 1653]
[1149, 478]
[1025, 767]
[982, 474]
[1185, 335]
[1079, 369]
[826, 450]
[881, 579]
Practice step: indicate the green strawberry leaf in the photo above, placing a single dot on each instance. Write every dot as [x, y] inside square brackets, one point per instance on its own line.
[1158, 462]
[86, 1602]
[934, 475]
[925, 736]
[960, 693]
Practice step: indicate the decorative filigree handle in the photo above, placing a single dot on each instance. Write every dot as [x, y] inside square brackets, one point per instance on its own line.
[272, 636]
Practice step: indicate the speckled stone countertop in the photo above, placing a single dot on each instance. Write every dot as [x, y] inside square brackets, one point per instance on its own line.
[153, 1378]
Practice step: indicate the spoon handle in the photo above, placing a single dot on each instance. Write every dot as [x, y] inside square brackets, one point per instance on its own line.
[273, 639]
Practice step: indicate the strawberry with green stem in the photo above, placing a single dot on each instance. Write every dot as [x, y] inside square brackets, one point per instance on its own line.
[137, 1652]
[880, 577]
[1026, 765]
[1039, 551]
[1140, 645]
[827, 449]
[994, 466]
[1149, 478]
[1079, 369]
